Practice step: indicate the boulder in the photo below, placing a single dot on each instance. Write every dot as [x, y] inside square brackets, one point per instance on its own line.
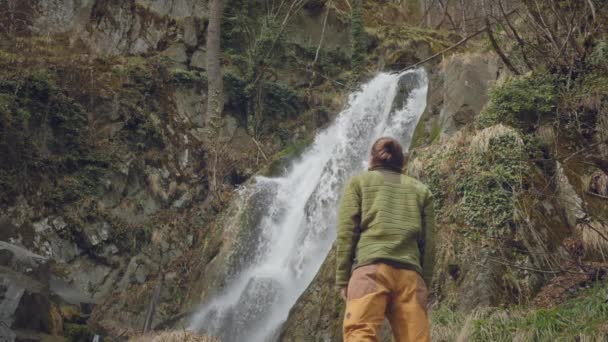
[22, 261]
[199, 59]
[406, 84]
[27, 298]
[467, 78]
[457, 93]
[176, 53]
[190, 105]
[190, 34]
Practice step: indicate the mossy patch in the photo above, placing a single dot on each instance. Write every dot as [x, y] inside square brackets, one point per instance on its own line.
[77, 332]
[476, 177]
[520, 101]
[43, 133]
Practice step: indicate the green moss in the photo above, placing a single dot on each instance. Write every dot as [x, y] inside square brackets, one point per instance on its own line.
[43, 134]
[282, 158]
[280, 101]
[599, 55]
[78, 333]
[520, 101]
[182, 76]
[491, 179]
[475, 183]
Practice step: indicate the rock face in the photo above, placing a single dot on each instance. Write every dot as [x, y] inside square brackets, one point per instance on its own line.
[116, 27]
[467, 79]
[28, 300]
[458, 90]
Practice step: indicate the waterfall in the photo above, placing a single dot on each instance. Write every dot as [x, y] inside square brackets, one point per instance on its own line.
[298, 226]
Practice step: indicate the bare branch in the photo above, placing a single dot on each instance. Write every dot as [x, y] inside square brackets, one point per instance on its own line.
[322, 33]
[518, 38]
[498, 50]
[464, 40]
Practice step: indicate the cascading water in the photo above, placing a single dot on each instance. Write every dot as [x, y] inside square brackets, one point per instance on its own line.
[298, 226]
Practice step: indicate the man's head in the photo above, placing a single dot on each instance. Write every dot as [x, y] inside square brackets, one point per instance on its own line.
[387, 153]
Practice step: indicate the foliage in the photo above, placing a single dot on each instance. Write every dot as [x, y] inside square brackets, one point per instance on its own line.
[43, 133]
[77, 332]
[567, 322]
[280, 101]
[599, 55]
[140, 98]
[256, 45]
[475, 180]
[488, 186]
[575, 319]
[181, 76]
[520, 101]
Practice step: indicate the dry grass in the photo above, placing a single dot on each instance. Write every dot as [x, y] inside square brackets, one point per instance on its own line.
[415, 168]
[174, 336]
[481, 141]
[593, 242]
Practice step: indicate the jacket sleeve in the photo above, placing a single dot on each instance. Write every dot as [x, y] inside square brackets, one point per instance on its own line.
[349, 218]
[427, 243]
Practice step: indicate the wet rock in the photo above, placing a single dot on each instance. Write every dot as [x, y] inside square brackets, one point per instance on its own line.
[256, 301]
[406, 84]
[317, 315]
[232, 242]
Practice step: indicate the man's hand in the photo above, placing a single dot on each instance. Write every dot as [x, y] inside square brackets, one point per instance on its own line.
[343, 293]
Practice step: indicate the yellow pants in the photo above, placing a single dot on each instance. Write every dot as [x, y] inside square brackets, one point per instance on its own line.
[379, 290]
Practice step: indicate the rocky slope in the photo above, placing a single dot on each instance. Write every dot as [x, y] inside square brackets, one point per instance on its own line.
[521, 218]
[104, 171]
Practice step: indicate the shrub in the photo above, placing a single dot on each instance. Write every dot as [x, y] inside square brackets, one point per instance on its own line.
[520, 101]
[43, 133]
[475, 179]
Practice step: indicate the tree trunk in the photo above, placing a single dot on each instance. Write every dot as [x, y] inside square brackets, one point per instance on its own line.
[215, 96]
[358, 43]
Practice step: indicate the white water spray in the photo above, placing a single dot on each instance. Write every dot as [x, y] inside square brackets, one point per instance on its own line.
[298, 228]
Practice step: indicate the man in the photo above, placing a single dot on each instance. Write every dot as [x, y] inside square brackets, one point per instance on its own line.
[385, 249]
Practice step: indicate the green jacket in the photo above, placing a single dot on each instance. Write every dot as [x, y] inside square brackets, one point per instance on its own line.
[385, 217]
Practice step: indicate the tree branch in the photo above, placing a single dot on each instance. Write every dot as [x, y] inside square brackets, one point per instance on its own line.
[498, 50]
[464, 40]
